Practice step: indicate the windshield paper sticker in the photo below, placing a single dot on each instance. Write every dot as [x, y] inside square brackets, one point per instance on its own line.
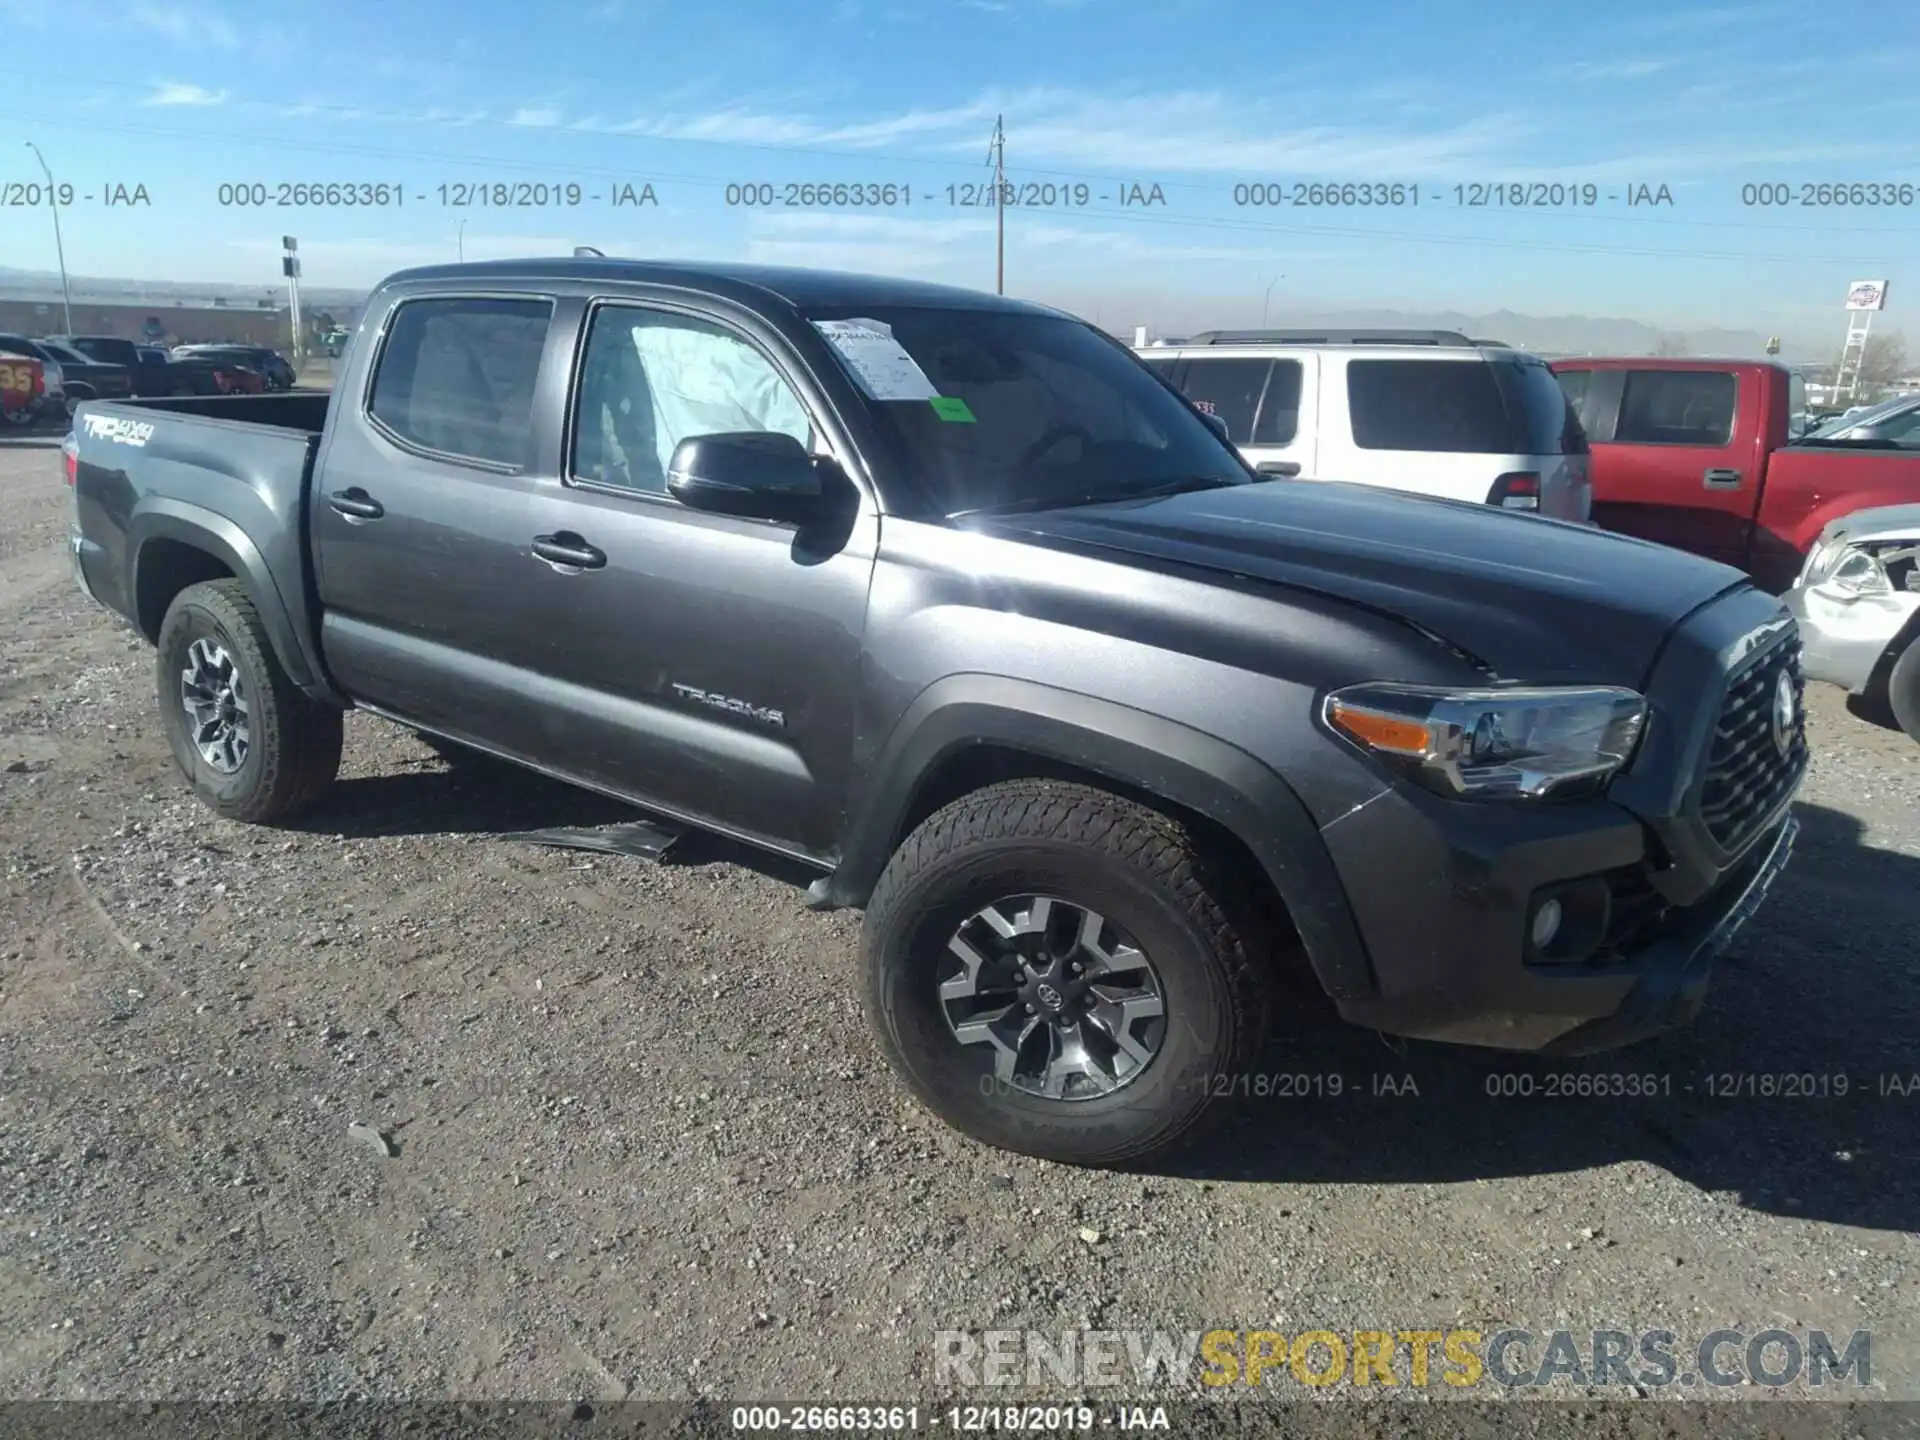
[951, 407]
[883, 369]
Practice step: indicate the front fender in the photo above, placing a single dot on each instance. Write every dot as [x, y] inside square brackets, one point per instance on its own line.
[161, 518]
[1147, 752]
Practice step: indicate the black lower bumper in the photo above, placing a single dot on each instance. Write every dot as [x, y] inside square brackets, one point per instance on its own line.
[1677, 969]
[1445, 913]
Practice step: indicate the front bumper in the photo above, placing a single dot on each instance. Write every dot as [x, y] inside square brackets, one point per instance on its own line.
[1675, 971]
[1447, 931]
[1847, 635]
[1444, 891]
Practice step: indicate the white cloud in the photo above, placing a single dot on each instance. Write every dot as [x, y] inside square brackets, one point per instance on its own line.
[538, 117]
[1686, 22]
[1618, 69]
[175, 92]
[924, 246]
[186, 25]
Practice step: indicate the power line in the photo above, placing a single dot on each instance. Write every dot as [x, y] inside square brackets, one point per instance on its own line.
[1215, 186]
[1119, 216]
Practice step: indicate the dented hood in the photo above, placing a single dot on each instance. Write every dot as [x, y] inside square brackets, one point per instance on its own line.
[1535, 600]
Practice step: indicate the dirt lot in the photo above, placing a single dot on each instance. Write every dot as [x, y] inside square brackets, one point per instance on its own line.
[645, 1147]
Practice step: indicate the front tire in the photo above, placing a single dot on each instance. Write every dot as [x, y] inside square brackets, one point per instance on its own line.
[1028, 1025]
[253, 746]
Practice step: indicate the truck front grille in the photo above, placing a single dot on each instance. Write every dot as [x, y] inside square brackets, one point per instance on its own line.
[1748, 772]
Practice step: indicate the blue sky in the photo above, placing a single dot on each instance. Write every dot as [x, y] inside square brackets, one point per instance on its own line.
[1194, 96]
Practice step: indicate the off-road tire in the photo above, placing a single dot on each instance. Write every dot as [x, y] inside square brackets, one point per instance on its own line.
[1195, 914]
[293, 751]
[1903, 689]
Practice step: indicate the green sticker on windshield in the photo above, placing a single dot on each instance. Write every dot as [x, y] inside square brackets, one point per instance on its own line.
[951, 407]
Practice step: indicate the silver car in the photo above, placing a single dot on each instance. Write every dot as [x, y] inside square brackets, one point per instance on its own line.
[1858, 603]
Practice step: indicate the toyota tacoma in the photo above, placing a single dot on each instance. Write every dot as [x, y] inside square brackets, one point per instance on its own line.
[953, 600]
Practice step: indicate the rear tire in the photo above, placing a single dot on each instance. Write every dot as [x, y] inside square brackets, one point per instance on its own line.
[1903, 689]
[1154, 890]
[266, 751]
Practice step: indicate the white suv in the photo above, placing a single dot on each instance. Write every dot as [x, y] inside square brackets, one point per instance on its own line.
[1427, 411]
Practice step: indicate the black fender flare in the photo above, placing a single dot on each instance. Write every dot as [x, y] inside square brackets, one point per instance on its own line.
[1163, 757]
[159, 518]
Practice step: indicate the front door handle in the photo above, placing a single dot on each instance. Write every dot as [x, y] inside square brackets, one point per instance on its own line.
[1722, 480]
[569, 550]
[1278, 467]
[356, 504]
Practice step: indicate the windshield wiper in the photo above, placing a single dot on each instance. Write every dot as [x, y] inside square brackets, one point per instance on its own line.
[1183, 486]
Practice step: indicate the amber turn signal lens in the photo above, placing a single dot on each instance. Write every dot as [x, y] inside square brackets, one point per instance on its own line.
[1393, 733]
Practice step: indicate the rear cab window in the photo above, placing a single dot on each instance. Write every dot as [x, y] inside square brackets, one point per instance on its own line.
[1678, 407]
[455, 377]
[107, 350]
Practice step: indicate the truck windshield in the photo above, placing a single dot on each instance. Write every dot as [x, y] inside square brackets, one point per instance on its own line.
[997, 409]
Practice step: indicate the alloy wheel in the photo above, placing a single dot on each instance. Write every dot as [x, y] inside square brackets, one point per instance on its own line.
[212, 694]
[1070, 1006]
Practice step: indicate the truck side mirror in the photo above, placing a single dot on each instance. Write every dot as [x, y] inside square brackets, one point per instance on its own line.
[762, 474]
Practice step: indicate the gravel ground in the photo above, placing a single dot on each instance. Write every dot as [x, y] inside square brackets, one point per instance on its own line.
[641, 1145]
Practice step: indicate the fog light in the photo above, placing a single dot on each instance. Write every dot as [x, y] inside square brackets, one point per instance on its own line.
[1546, 924]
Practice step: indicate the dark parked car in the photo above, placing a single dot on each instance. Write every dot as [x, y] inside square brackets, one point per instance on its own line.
[272, 367]
[151, 377]
[82, 378]
[952, 600]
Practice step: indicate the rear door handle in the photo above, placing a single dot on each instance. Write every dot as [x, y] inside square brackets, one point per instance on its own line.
[568, 549]
[356, 504]
[1723, 480]
[1278, 467]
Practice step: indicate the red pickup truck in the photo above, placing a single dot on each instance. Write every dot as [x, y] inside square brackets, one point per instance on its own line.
[1706, 456]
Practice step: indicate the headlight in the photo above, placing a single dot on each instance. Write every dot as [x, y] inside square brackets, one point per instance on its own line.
[52, 375]
[1494, 744]
[1860, 573]
[1821, 562]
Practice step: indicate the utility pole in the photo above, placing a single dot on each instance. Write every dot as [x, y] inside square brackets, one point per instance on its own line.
[997, 157]
[461, 240]
[1268, 299]
[59, 246]
[290, 267]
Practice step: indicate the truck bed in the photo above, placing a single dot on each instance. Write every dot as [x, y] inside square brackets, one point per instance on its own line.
[161, 483]
[306, 411]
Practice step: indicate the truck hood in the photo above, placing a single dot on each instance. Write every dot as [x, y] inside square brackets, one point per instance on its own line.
[1535, 600]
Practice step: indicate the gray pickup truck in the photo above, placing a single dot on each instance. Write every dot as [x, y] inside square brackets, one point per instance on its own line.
[951, 598]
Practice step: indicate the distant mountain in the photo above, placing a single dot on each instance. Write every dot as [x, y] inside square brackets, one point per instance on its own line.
[1162, 314]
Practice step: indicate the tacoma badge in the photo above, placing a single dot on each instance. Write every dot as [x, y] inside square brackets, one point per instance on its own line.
[727, 702]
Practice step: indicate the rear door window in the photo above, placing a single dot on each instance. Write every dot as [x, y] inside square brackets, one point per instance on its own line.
[1230, 389]
[1279, 419]
[1677, 407]
[456, 376]
[1446, 406]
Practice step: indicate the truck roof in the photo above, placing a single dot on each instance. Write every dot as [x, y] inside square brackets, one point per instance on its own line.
[1661, 362]
[801, 288]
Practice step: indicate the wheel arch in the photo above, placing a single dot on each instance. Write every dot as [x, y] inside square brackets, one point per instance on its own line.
[967, 731]
[176, 544]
